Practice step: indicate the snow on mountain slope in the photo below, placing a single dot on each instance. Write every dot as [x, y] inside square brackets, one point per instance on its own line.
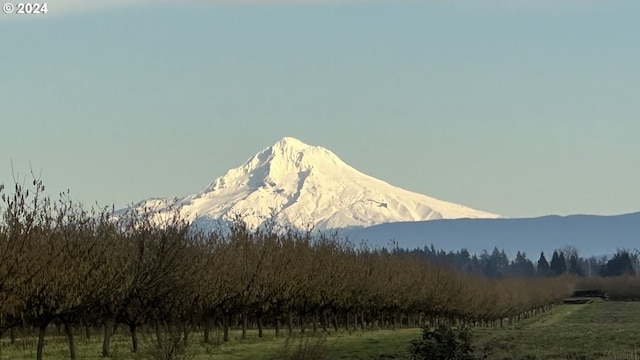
[309, 186]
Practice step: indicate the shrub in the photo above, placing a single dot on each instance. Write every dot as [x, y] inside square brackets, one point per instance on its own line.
[442, 343]
[170, 348]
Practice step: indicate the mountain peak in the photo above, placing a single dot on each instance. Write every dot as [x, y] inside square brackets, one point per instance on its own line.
[304, 185]
[290, 142]
[291, 152]
[278, 164]
[291, 148]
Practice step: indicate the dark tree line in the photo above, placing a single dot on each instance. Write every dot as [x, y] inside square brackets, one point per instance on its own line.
[61, 264]
[497, 265]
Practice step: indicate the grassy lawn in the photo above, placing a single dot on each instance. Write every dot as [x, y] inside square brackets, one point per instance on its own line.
[384, 344]
[600, 330]
[369, 345]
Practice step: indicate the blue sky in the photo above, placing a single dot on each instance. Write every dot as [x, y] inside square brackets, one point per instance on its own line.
[519, 108]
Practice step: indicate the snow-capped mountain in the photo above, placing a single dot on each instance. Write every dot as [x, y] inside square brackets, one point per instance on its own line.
[309, 186]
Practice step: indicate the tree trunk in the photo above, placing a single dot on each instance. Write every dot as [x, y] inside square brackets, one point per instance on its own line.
[245, 324]
[72, 341]
[83, 330]
[355, 322]
[41, 333]
[134, 338]
[347, 320]
[259, 323]
[335, 321]
[315, 321]
[109, 328]
[324, 321]
[227, 319]
[290, 323]
[276, 325]
[206, 324]
[185, 334]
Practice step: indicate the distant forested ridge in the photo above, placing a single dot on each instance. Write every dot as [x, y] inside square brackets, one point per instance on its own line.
[593, 235]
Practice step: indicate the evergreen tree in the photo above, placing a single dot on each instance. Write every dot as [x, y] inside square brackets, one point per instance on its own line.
[521, 266]
[562, 263]
[558, 265]
[489, 268]
[543, 266]
[620, 264]
[501, 260]
[574, 267]
[475, 266]
[494, 265]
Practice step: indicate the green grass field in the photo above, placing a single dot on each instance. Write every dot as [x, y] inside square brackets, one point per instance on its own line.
[600, 330]
[382, 344]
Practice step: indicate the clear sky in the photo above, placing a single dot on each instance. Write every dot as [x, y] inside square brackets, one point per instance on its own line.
[521, 108]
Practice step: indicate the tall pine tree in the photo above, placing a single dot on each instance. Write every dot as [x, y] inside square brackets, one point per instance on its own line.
[521, 266]
[574, 267]
[558, 264]
[543, 266]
